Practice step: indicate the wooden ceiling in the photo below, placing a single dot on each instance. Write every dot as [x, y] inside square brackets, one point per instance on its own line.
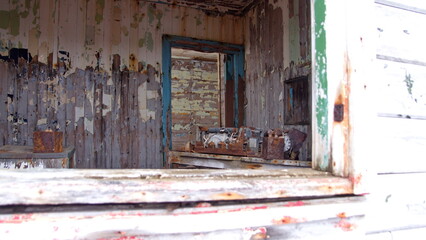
[215, 7]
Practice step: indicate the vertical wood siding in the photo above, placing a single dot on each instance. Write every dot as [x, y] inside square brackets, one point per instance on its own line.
[113, 122]
[277, 49]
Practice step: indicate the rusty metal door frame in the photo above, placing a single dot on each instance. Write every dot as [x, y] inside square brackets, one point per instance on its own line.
[234, 66]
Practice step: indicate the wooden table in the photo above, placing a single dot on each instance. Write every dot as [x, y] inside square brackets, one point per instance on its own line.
[22, 157]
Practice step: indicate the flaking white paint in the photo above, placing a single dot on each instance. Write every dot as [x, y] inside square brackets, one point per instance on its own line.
[88, 125]
[107, 103]
[79, 113]
[41, 121]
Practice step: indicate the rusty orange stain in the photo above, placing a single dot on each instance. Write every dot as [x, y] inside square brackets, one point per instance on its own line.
[326, 189]
[253, 166]
[286, 220]
[184, 197]
[122, 238]
[345, 225]
[356, 179]
[228, 196]
[281, 193]
[341, 215]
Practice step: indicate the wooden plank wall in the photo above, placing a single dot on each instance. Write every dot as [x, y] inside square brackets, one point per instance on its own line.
[401, 86]
[113, 122]
[277, 49]
[195, 98]
[400, 134]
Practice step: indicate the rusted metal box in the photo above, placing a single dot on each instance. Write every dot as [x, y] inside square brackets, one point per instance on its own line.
[47, 142]
[273, 145]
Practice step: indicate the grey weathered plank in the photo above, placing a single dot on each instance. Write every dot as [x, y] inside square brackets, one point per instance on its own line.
[133, 120]
[11, 104]
[142, 114]
[32, 101]
[124, 120]
[61, 100]
[153, 127]
[98, 131]
[116, 113]
[89, 118]
[42, 116]
[79, 119]
[158, 120]
[21, 125]
[70, 111]
[4, 75]
[107, 123]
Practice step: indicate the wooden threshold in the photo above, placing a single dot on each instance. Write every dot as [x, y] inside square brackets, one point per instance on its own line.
[74, 186]
[231, 162]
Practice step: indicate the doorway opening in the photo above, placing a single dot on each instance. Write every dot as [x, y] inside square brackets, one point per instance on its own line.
[198, 94]
[202, 86]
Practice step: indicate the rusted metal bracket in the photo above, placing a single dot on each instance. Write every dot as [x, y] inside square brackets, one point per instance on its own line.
[339, 112]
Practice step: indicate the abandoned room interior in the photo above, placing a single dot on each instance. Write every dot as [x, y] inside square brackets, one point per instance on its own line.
[158, 84]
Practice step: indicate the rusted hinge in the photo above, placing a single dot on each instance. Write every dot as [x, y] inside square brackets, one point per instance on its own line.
[339, 112]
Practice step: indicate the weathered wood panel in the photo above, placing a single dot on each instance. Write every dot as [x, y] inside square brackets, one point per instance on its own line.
[399, 34]
[401, 145]
[278, 48]
[307, 219]
[402, 89]
[392, 197]
[401, 82]
[195, 98]
[102, 116]
[159, 186]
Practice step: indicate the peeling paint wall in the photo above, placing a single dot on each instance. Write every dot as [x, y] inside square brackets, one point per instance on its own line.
[92, 31]
[278, 48]
[111, 111]
[195, 98]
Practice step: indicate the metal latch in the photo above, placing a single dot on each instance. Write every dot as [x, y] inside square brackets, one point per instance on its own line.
[339, 112]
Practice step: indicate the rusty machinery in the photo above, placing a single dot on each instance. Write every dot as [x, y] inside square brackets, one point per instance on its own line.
[250, 142]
